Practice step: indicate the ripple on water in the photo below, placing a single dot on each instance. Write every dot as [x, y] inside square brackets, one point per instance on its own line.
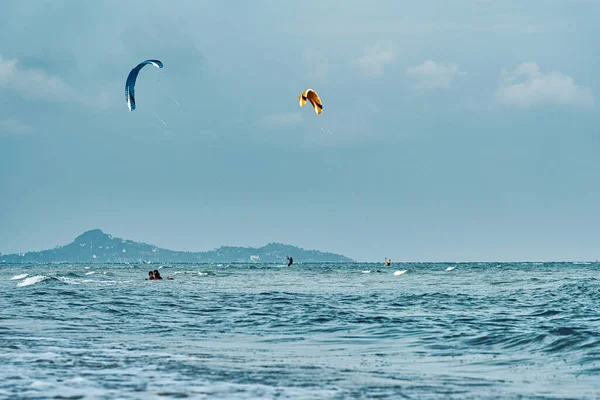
[255, 331]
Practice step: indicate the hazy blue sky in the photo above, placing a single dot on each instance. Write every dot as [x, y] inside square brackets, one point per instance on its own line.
[452, 130]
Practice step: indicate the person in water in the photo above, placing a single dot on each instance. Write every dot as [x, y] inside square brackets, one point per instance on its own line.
[388, 262]
[290, 261]
[155, 276]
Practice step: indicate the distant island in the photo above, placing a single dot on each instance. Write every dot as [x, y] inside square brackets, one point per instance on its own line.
[95, 246]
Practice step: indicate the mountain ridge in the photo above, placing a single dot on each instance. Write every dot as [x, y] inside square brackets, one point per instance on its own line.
[96, 246]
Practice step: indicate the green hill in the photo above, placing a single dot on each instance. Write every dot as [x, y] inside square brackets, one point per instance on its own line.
[96, 246]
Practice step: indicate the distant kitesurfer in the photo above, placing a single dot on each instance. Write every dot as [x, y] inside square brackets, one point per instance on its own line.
[388, 262]
[290, 261]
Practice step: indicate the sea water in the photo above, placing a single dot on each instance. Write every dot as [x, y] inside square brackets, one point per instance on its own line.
[479, 330]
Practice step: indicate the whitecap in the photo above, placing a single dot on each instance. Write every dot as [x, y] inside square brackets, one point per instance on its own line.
[366, 272]
[74, 281]
[77, 379]
[32, 280]
[40, 385]
[450, 268]
[397, 273]
[18, 277]
[90, 273]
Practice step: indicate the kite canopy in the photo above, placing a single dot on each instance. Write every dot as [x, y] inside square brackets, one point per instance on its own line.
[313, 98]
[131, 79]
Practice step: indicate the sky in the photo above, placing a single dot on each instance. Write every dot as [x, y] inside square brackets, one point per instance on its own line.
[451, 131]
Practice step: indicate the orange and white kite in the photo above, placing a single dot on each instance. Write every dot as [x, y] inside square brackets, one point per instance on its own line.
[313, 98]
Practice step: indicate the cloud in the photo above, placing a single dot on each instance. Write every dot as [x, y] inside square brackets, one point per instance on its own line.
[281, 120]
[12, 127]
[34, 84]
[433, 75]
[375, 58]
[528, 87]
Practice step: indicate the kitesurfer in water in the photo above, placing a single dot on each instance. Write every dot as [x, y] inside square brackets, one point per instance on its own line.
[290, 261]
[388, 262]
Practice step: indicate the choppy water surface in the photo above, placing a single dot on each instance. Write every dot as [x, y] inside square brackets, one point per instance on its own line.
[304, 332]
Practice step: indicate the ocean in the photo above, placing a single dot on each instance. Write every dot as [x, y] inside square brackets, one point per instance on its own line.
[477, 331]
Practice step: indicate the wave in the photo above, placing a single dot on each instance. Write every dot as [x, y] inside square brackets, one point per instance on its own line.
[19, 277]
[322, 326]
[68, 278]
[197, 273]
[32, 280]
[74, 281]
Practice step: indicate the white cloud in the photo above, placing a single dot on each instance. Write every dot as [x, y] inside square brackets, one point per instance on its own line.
[528, 87]
[34, 84]
[433, 75]
[375, 58]
[279, 120]
[12, 127]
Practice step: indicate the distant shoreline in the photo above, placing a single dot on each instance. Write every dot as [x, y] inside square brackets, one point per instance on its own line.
[97, 247]
[458, 263]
